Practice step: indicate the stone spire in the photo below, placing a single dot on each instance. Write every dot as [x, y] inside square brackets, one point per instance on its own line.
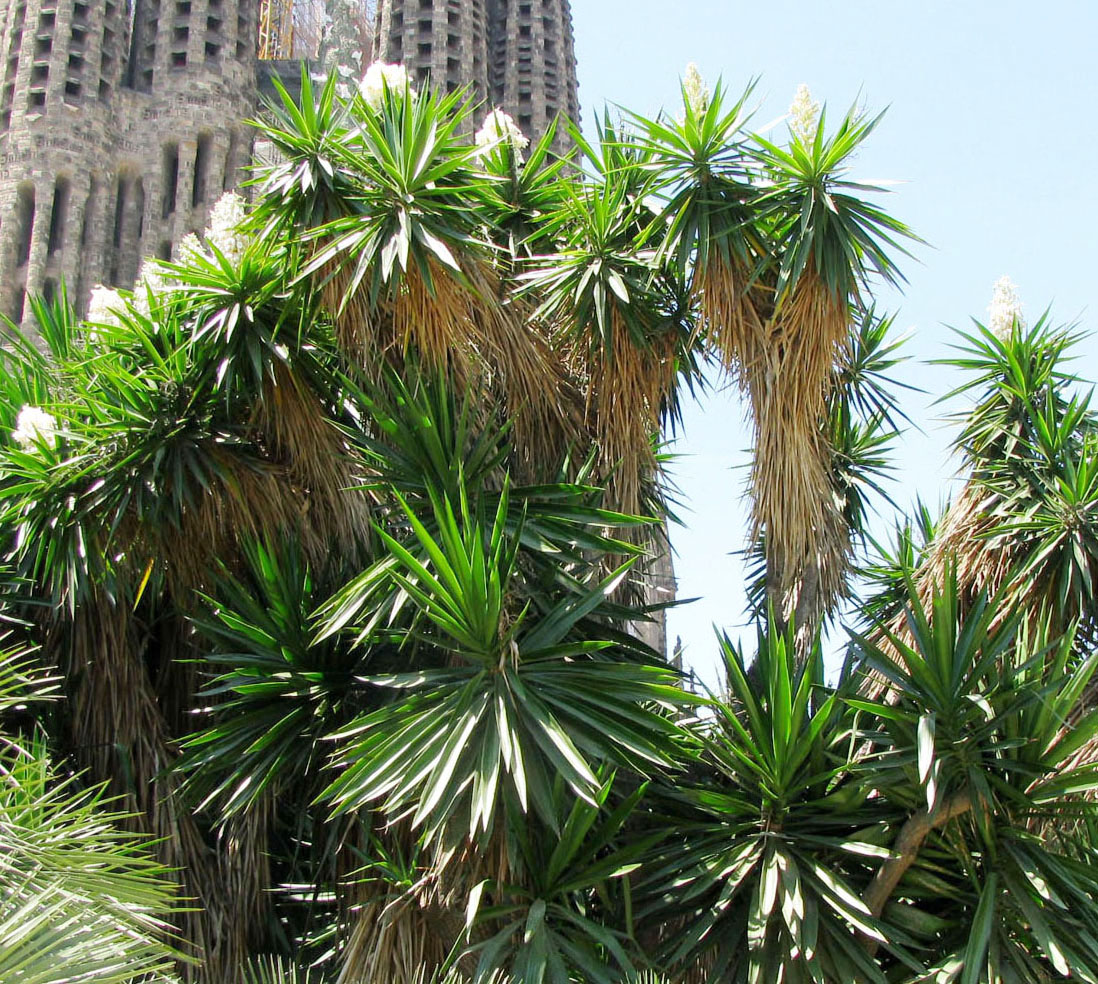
[517, 54]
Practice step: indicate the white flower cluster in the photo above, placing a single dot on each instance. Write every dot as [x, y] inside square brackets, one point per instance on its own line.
[1005, 309]
[500, 128]
[152, 281]
[33, 427]
[804, 115]
[694, 90]
[223, 230]
[379, 77]
[104, 306]
[188, 249]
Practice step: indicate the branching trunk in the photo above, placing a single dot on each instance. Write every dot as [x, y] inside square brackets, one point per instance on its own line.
[906, 850]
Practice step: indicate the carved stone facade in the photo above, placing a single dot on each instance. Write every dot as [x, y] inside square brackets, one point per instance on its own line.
[121, 123]
[518, 55]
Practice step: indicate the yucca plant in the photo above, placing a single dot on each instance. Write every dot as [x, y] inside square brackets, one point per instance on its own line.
[327, 530]
[976, 746]
[759, 876]
[1023, 523]
[825, 244]
[160, 460]
[699, 161]
[602, 295]
[516, 699]
[562, 913]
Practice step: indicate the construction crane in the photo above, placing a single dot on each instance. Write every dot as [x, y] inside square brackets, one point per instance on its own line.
[290, 28]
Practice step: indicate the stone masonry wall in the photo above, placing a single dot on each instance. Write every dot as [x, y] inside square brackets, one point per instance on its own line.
[516, 54]
[121, 123]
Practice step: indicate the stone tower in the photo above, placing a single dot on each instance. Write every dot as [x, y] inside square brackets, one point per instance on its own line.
[121, 122]
[517, 54]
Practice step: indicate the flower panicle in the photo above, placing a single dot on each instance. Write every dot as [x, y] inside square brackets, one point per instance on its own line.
[694, 90]
[105, 307]
[1005, 309]
[804, 115]
[35, 427]
[379, 77]
[223, 230]
[500, 128]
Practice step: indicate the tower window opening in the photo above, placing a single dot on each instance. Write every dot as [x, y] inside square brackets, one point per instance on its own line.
[25, 218]
[139, 208]
[169, 179]
[89, 209]
[119, 213]
[201, 165]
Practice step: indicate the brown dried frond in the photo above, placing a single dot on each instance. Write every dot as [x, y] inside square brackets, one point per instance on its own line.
[301, 435]
[120, 735]
[531, 379]
[404, 935]
[794, 506]
[726, 314]
[395, 938]
[627, 386]
[251, 500]
[807, 543]
[364, 334]
[810, 334]
[434, 319]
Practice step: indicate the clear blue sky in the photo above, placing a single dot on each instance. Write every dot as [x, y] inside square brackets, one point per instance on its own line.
[992, 123]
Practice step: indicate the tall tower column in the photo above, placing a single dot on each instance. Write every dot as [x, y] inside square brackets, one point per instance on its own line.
[517, 54]
[533, 70]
